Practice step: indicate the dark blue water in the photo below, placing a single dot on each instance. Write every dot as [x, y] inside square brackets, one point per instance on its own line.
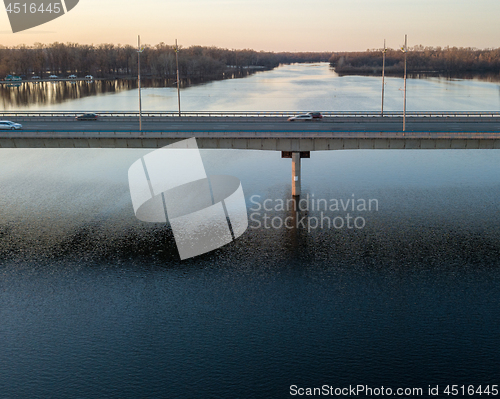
[96, 304]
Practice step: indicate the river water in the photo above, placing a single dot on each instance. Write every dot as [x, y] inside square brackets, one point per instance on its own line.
[96, 304]
[296, 87]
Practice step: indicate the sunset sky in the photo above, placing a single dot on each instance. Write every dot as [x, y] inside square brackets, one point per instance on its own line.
[273, 25]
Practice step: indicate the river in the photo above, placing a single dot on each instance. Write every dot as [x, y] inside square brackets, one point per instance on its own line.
[96, 304]
[296, 87]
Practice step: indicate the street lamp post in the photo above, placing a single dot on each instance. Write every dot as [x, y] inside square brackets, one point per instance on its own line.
[405, 50]
[139, 51]
[178, 83]
[383, 77]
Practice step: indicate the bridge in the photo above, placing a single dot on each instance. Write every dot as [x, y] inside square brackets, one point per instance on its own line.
[258, 131]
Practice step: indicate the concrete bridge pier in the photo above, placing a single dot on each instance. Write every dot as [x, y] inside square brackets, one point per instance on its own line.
[296, 175]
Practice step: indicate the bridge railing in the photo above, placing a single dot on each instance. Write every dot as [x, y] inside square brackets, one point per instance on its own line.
[250, 114]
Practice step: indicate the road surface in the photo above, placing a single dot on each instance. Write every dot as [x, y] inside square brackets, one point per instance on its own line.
[214, 124]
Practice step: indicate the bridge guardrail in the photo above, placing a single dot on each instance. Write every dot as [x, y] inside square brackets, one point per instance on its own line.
[250, 114]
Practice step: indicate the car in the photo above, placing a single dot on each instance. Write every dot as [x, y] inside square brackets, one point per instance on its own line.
[89, 77]
[72, 77]
[315, 115]
[86, 117]
[8, 125]
[302, 117]
[35, 77]
[53, 77]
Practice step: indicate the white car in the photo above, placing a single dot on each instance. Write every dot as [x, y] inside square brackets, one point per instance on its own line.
[35, 77]
[303, 117]
[53, 77]
[89, 77]
[72, 77]
[8, 125]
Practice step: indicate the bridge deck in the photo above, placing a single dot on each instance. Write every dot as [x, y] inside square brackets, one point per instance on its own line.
[271, 133]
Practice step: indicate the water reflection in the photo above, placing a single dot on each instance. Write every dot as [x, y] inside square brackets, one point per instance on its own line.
[482, 77]
[478, 76]
[32, 94]
[42, 93]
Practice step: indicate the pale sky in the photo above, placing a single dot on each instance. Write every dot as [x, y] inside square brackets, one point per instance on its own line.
[272, 25]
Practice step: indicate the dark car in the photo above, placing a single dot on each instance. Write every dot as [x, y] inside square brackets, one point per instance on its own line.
[86, 117]
[315, 115]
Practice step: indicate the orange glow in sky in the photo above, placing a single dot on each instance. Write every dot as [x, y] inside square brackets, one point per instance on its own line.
[271, 25]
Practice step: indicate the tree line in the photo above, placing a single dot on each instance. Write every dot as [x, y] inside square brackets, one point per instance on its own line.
[420, 59]
[109, 60]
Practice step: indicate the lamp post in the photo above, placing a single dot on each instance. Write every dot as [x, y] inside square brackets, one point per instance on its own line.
[139, 51]
[178, 83]
[383, 76]
[404, 50]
